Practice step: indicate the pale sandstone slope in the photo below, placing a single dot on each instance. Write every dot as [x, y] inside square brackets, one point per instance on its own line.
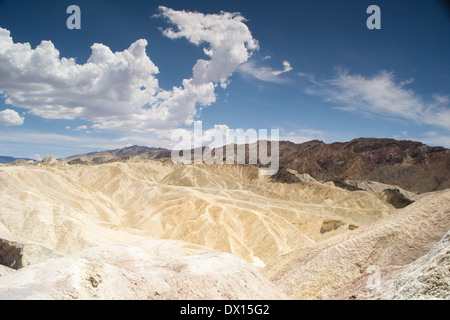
[153, 269]
[5, 270]
[228, 208]
[426, 278]
[393, 242]
[93, 230]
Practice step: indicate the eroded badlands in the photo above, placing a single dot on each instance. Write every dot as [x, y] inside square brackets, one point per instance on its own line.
[146, 229]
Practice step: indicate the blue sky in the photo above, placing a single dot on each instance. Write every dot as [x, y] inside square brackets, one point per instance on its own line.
[311, 69]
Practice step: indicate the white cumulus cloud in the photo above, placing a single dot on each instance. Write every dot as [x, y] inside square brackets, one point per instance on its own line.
[120, 90]
[10, 117]
[106, 87]
[227, 39]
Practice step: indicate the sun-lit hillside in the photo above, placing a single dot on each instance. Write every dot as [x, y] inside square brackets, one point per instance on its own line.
[308, 238]
[228, 208]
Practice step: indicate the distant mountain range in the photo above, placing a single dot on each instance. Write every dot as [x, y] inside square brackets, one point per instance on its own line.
[6, 160]
[132, 151]
[410, 165]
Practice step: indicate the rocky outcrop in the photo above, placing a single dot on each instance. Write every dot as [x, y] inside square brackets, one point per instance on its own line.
[285, 175]
[396, 198]
[344, 185]
[48, 160]
[16, 253]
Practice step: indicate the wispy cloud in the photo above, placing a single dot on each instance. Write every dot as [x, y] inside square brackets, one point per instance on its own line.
[381, 95]
[30, 142]
[434, 138]
[40, 138]
[263, 73]
[286, 68]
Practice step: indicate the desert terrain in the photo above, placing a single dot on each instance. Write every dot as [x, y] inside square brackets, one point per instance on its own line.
[141, 227]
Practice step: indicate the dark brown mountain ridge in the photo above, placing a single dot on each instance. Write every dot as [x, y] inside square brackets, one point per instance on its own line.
[411, 165]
